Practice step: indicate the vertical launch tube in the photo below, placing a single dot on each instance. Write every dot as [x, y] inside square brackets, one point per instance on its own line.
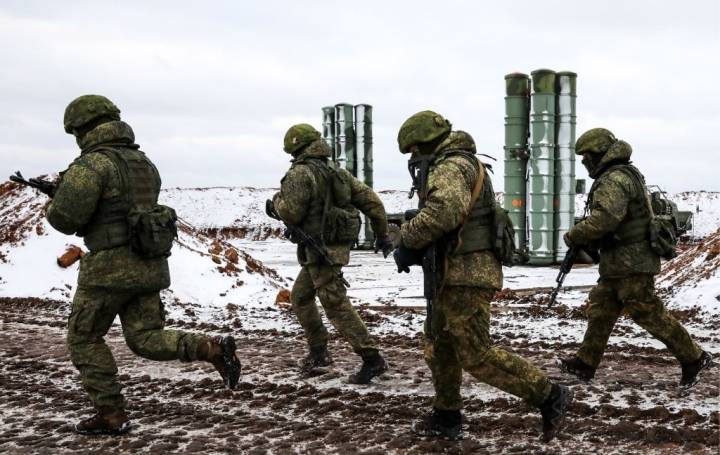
[517, 113]
[328, 128]
[565, 159]
[541, 212]
[364, 148]
[345, 137]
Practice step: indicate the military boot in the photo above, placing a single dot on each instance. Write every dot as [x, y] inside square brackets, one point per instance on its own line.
[373, 365]
[110, 421]
[220, 351]
[553, 410]
[439, 423]
[576, 367]
[691, 371]
[318, 357]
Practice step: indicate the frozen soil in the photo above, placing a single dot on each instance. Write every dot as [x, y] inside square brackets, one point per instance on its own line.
[633, 405]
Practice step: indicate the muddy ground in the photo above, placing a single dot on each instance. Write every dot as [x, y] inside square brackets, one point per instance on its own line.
[633, 406]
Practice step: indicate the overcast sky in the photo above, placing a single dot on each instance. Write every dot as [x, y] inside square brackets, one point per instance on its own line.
[211, 87]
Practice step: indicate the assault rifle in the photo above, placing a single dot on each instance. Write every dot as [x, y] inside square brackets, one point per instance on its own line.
[432, 270]
[566, 266]
[41, 185]
[303, 238]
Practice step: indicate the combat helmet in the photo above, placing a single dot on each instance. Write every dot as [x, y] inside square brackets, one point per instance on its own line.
[425, 126]
[298, 136]
[596, 140]
[85, 109]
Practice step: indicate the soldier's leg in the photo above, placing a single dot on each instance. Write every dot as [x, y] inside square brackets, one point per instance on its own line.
[467, 312]
[93, 312]
[333, 297]
[442, 359]
[143, 322]
[648, 311]
[302, 297]
[602, 312]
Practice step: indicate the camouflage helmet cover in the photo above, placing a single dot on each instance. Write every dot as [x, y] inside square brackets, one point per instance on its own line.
[424, 126]
[85, 109]
[596, 140]
[298, 136]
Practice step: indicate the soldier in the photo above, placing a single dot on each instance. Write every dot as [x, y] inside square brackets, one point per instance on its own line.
[455, 219]
[324, 201]
[94, 199]
[617, 226]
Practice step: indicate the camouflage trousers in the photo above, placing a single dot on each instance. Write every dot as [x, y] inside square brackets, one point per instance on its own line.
[634, 295]
[460, 340]
[319, 280]
[142, 318]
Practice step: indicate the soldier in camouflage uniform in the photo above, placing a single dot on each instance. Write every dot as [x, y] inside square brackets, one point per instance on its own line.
[92, 200]
[617, 225]
[324, 202]
[457, 204]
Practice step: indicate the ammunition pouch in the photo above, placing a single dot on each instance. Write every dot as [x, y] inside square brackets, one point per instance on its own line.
[341, 226]
[153, 231]
[663, 239]
[489, 228]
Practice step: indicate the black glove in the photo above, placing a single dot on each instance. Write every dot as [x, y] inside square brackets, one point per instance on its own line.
[385, 245]
[270, 209]
[44, 186]
[406, 257]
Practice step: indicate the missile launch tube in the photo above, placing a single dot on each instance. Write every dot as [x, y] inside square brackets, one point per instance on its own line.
[364, 149]
[517, 113]
[345, 137]
[328, 128]
[541, 166]
[564, 159]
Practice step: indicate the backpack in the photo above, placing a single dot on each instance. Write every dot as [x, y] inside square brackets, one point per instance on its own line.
[339, 222]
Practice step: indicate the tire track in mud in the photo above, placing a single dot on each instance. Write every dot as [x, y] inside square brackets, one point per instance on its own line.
[633, 405]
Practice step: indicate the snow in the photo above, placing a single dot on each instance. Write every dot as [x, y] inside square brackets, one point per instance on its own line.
[200, 286]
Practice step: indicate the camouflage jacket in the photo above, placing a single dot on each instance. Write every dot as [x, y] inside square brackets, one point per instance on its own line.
[297, 193]
[451, 180]
[89, 180]
[610, 207]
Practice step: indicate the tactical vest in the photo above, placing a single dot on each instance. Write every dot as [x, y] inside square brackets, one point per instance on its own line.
[139, 186]
[634, 227]
[331, 219]
[477, 233]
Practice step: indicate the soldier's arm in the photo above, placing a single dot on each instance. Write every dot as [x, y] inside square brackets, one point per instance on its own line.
[609, 207]
[76, 199]
[296, 189]
[369, 203]
[447, 203]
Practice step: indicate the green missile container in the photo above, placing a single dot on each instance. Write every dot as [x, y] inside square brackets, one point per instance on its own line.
[345, 137]
[517, 117]
[541, 169]
[364, 149]
[328, 127]
[566, 119]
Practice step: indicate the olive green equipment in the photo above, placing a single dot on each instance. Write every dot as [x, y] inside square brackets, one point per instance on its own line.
[565, 182]
[540, 118]
[347, 129]
[541, 169]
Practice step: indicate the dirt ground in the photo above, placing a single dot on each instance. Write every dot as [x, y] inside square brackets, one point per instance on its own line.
[633, 405]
